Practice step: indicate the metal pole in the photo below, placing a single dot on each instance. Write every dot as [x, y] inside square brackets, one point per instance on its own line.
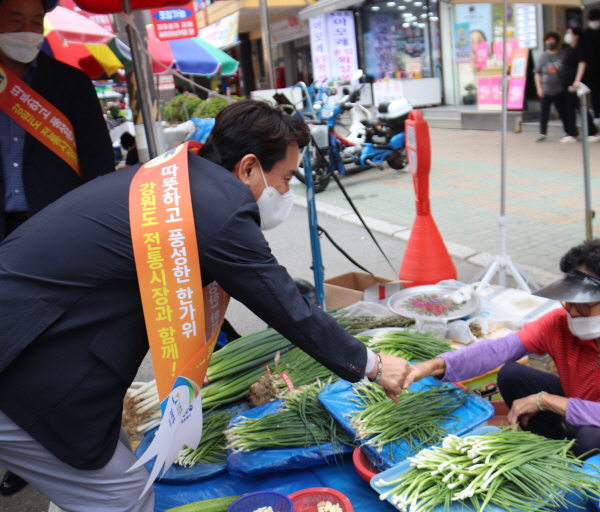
[265, 33]
[315, 243]
[589, 213]
[145, 97]
[502, 220]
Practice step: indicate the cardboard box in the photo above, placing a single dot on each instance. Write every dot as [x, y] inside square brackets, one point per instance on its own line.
[349, 288]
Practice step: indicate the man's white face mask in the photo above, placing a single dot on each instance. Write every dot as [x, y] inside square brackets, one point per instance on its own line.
[584, 327]
[21, 46]
[595, 25]
[274, 207]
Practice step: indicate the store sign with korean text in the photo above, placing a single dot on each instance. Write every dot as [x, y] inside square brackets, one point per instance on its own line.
[342, 44]
[288, 29]
[174, 22]
[223, 32]
[319, 48]
[386, 91]
[101, 19]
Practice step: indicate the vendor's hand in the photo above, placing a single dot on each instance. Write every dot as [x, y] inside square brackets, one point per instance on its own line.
[575, 86]
[540, 92]
[434, 367]
[523, 409]
[393, 374]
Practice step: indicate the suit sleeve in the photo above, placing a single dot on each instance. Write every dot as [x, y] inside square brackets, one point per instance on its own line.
[94, 147]
[240, 260]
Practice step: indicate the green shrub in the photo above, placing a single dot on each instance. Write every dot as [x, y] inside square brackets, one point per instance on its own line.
[211, 107]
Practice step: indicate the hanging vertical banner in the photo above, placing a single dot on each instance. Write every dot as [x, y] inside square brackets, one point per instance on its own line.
[174, 22]
[342, 44]
[384, 44]
[516, 88]
[462, 43]
[319, 48]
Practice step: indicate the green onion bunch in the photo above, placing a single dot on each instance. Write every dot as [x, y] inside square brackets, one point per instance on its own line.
[412, 346]
[301, 369]
[417, 419]
[301, 422]
[511, 469]
[211, 449]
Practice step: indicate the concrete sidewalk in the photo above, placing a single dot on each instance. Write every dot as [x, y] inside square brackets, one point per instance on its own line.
[545, 197]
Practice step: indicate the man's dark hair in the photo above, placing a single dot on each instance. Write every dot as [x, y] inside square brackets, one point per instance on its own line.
[585, 255]
[552, 35]
[127, 140]
[44, 5]
[594, 14]
[253, 127]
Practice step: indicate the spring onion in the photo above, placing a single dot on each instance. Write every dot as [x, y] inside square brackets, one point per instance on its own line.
[299, 368]
[301, 422]
[417, 419]
[211, 449]
[412, 346]
[511, 469]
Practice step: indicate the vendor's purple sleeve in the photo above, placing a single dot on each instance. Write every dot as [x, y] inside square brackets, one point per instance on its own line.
[482, 357]
[583, 412]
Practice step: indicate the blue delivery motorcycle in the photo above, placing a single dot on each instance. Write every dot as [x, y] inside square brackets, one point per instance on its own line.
[384, 140]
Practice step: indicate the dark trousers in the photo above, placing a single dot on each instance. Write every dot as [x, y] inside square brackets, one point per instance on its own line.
[518, 381]
[560, 102]
[573, 106]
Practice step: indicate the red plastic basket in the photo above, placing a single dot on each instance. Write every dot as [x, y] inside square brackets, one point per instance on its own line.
[306, 500]
[363, 466]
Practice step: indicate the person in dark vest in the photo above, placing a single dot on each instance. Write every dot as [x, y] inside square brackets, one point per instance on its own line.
[33, 176]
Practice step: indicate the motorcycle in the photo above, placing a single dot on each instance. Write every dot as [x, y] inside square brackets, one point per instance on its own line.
[369, 143]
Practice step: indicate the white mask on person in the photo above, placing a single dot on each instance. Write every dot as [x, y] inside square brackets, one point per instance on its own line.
[273, 206]
[21, 46]
[569, 38]
[584, 327]
[595, 25]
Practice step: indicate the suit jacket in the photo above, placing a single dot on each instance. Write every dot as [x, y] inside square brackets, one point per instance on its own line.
[46, 176]
[72, 331]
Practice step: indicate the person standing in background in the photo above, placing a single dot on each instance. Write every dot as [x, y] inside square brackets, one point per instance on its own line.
[33, 175]
[574, 64]
[590, 41]
[550, 87]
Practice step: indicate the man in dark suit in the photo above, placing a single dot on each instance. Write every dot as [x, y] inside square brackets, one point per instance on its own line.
[73, 331]
[33, 176]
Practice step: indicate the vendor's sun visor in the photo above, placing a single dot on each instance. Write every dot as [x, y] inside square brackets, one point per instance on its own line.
[576, 287]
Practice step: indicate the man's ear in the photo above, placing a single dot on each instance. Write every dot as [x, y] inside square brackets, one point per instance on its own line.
[243, 169]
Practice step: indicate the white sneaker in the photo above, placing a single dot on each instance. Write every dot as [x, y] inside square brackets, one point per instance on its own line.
[568, 140]
[594, 138]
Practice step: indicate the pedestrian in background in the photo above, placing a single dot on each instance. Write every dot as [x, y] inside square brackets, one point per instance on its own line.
[550, 87]
[573, 68]
[590, 40]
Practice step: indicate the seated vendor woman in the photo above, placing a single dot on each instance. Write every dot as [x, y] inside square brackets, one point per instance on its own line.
[555, 407]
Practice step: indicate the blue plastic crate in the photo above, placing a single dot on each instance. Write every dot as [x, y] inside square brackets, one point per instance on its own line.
[337, 399]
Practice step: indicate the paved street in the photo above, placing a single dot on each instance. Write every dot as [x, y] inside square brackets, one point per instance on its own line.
[545, 197]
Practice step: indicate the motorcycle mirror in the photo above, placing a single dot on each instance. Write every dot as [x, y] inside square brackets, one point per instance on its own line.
[333, 91]
[346, 91]
[357, 74]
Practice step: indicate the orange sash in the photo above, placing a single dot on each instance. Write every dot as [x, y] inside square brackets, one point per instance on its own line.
[38, 117]
[182, 319]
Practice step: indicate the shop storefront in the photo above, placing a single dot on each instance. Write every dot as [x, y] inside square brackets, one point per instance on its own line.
[477, 52]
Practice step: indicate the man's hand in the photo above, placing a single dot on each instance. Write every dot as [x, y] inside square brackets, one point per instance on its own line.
[523, 409]
[393, 374]
[540, 92]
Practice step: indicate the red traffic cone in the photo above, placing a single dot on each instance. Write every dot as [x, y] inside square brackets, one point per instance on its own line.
[426, 260]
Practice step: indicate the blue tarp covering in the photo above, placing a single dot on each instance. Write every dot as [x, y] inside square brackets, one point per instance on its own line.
[343, 478]
[259, 462]
[337, 399]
